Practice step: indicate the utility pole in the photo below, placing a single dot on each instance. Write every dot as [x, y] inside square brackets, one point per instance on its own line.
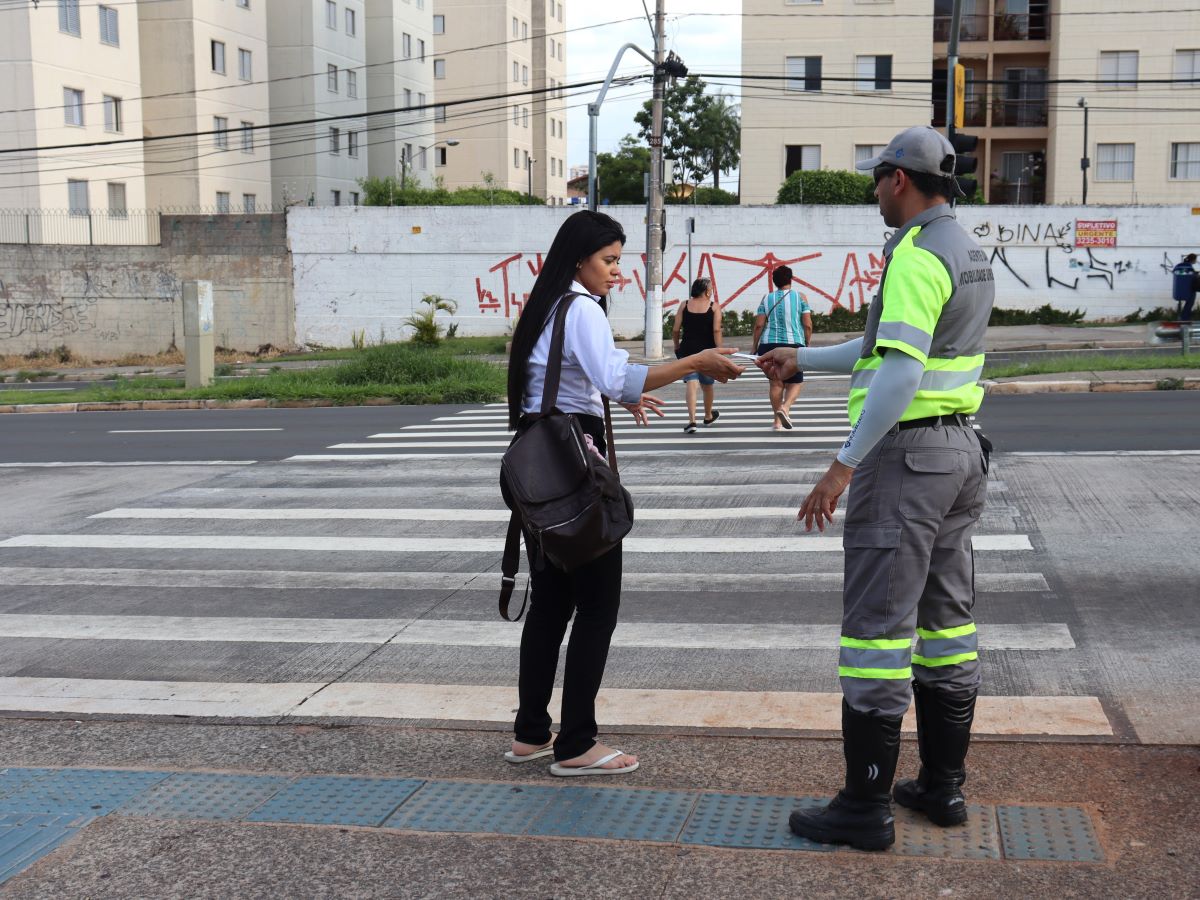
[951, 74]
[654, 208]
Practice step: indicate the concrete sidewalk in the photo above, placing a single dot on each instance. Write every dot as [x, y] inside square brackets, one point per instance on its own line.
[1073, 819]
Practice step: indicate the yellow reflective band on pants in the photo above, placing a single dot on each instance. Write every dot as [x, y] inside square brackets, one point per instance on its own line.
[947, 647]
[885, 658]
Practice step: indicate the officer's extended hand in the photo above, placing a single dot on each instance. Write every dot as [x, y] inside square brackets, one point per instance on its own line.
[779, 364]
[822, 500]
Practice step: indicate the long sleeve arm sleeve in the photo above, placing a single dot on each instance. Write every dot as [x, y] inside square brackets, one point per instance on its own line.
[838, 358]
[591, 344]
[892, 390]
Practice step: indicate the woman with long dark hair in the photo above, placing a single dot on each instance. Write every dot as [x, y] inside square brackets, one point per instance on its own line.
[584, 258]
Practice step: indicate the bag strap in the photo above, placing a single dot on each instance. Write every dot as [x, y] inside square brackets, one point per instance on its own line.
[554, 359]
[508, 568]
[608, 434]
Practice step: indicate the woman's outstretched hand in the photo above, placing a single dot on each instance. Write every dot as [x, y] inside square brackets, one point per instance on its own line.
[648, 404]
[715, 363]
[779, 364]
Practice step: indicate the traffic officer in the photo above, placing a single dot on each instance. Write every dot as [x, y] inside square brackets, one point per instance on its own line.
[917, 476]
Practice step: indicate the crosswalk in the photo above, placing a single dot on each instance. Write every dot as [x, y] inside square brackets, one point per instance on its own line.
[361, 586]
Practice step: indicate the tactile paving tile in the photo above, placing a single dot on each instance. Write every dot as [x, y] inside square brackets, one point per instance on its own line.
[26, 838]
[202, 795]
[333, 800]
[977, 839]
[1060, 833]
[619, 814]
[743, 820]
[95, 792]
[455, 806]
[13, 779]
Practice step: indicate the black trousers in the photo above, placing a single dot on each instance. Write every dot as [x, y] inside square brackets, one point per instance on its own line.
[592, 593]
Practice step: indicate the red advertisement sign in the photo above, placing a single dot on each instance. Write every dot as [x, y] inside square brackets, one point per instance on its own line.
[1095, 233]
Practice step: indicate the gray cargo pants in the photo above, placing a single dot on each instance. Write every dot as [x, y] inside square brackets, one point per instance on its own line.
[910, 568]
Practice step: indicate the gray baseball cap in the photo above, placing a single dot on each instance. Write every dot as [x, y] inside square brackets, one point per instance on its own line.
[917, 149]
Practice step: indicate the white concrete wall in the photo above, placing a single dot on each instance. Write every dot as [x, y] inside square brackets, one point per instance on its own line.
[367, 268]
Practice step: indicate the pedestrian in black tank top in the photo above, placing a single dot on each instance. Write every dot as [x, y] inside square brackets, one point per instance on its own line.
[698, 327]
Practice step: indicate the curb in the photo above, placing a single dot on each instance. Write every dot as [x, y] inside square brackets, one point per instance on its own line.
[146, 405]
[1085, 387]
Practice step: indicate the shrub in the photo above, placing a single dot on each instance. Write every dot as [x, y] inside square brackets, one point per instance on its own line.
[826, 187]
[706, 196]
[1043, 315]
[426, 330]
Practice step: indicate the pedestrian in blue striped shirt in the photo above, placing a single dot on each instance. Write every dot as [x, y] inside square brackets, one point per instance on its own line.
[784, 319]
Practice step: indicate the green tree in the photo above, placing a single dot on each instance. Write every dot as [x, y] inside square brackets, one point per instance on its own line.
[718, 136]
[620, 176]
[683, 103]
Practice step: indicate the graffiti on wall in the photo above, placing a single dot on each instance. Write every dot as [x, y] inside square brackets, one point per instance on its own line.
[50, 319]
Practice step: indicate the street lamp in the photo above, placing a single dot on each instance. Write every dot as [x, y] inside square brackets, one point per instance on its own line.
[449, 142]
[1084, 162]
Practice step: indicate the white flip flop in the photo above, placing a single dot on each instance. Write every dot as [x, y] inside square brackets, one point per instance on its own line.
[515, 758]
[595, 768]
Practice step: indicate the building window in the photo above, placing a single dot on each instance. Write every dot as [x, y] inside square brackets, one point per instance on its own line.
[249, 203]
[68, 17]
[524, 31]
[112, 113]
[525, 116]
[220, 132]
[217, 51]
[247, 137]
[407, 98]
[336, 196]
[408, 158]
[77, 197]
[116, 200]
[109, 31]
[331, 76]
[802, 158]
[560, 12]
[439, 156]
[423, 159]
[1187, 66]
[1114, 162]
[439, 24]
[351, 83]
[421, 49]
[335, 141]
[352, 143]
[516, 71]
[331, 14]
[439, 113]
[223, 202]
[72, 106]
[351, 23]
[524, 74]
[439, 68]
[1118, 70]
[1185, 162]
[245, 65]
[803, 73]
[863, 152]
[421, 100]
[354, 198]
[516, 115]
[874, 73]
[243, 4]
[516, 158]
[516, 27]
[406, 46]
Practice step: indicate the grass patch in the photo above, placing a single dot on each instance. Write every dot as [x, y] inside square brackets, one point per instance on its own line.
[1093, 363]
[400, 372]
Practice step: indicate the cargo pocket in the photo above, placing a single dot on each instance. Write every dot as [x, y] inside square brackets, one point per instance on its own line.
[932, 482]
[867, 592]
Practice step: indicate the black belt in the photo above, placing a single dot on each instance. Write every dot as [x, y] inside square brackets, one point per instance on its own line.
[931, 421]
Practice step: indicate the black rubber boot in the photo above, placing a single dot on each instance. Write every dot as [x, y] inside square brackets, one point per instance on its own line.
[943, 735]
[861, 813]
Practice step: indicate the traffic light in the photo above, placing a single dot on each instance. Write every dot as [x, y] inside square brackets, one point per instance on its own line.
[964, 163]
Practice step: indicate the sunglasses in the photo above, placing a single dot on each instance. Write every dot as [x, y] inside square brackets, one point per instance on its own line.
[881, 172]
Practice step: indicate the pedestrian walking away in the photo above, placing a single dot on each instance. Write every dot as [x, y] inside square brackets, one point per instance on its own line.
[584, 260]
[1184, 281]
[698, 327]
[917, 473]
[784, 319]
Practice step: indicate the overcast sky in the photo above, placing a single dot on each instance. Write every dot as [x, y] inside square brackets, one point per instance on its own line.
[706, 44]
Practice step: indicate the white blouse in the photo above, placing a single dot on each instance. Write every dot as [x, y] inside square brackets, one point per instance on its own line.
[592, 366]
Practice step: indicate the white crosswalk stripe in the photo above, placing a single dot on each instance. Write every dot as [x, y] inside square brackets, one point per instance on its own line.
[259, 593]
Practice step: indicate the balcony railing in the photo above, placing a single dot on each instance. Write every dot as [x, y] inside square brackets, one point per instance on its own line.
[1021, 27]
[1008, 113]
[974, 111]
[971, 28]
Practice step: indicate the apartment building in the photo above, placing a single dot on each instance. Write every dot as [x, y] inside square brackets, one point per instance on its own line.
[204, 69]
[400, 76]
[71, 74]
[1143, 139]
[512, 47]
[318, 55]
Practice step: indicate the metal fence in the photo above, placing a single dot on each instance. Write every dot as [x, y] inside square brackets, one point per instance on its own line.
[102, 227]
